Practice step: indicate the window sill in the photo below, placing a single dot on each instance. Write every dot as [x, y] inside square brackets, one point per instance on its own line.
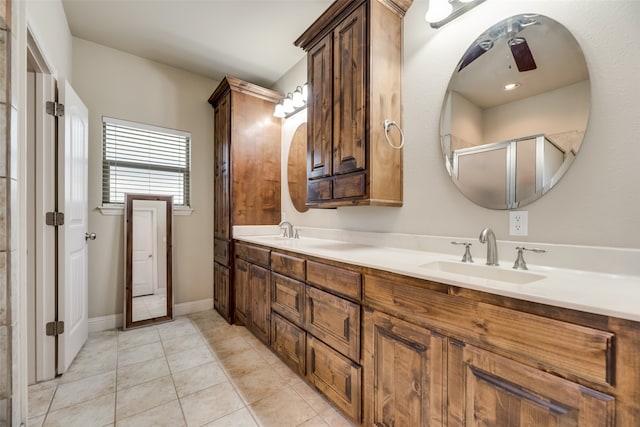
[112, 210]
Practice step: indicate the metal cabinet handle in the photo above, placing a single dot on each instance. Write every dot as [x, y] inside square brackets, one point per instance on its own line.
[89, 236]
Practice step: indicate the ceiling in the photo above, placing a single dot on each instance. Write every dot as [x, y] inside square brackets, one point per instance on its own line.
[248, 39]
[560, 62]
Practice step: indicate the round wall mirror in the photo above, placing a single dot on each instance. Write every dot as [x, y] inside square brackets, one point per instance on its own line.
[515, 112]
[297, 169]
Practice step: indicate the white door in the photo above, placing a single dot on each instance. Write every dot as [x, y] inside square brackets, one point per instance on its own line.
[72, 201]
[143, 270]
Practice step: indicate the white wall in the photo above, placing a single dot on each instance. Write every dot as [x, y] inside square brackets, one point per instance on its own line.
[597, 201]
[120, 85]
[48, 23]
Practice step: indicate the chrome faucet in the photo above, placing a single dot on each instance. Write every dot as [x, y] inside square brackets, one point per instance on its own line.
[487, 236]
[288, 229]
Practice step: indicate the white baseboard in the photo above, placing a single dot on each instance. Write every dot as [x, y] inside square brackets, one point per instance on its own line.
[114, 321]
[192, 307]
[104, 323]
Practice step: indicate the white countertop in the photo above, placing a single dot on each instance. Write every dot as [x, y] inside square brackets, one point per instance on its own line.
[600, 293]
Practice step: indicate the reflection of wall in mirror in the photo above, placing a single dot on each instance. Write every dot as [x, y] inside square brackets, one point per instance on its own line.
[562, 110]
[161, 239]
[561, 113]
[465, 122]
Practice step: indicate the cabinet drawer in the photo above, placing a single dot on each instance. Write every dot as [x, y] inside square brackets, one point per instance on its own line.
[334, 320]
[557, 346]
[351, 185]
[221, 251]
[319, 190]
[287, 298]
[289, 342]
[335, 279]
[288, 265]
[507, 393]
[335, 376]
[253, 254]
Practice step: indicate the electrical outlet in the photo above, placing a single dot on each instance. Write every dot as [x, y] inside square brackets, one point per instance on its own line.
[518, 223]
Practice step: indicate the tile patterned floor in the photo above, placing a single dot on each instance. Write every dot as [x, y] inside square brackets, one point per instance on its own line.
[194, 371]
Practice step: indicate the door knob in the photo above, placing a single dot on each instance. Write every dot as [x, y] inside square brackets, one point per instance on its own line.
[88, 236]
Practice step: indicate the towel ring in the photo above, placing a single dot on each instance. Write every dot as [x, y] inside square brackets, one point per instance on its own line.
[387, 124]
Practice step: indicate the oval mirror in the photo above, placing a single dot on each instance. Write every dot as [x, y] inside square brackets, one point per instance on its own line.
[297, 169]
[515, 112]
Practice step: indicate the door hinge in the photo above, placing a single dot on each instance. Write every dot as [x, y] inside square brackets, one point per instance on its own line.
[54, 218]
[54, 328]
[55, 109]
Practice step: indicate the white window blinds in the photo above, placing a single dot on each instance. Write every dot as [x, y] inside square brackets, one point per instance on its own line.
[144, 159]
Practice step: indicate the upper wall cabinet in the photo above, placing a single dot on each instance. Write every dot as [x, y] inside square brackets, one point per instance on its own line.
[354, 57]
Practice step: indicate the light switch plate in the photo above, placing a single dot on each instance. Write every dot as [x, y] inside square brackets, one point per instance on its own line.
[518, 223]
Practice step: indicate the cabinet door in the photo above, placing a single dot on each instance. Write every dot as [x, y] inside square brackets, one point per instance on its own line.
[335, 376]
[496, 391]
[221, 290]
[260, 308]
[349, 71]
[320, 109]
[334, 320]
[404, 371]
[241, 291]
[221, 138]
[289, 342]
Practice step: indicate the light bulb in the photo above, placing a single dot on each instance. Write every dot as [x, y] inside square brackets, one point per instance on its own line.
[279, 111]
[297, 98]
[288, 104]
[438, 10]
[305, 92]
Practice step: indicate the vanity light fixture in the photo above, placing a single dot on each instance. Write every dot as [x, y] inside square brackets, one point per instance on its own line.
[297, 98]
[438, 10]
[279, 111]
[288, 104]
[511, 86]
[292, 103]
[442, 11]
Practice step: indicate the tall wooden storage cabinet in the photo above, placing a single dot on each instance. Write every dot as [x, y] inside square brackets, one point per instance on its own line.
[354, 69]
[247, 173]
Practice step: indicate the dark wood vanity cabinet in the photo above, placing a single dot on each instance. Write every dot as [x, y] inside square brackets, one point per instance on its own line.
[241, 291]
[252, 289]
[404, 373]
[246, 173]
[493, 390]
[259, 318]
[391, 350]
[221, 290]
[354, 57]
[314, 325]
[436, 359]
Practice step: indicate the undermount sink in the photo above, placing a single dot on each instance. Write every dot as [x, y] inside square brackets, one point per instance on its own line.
[484, 272]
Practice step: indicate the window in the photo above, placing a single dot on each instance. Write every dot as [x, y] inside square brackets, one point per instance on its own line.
[144, 159]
